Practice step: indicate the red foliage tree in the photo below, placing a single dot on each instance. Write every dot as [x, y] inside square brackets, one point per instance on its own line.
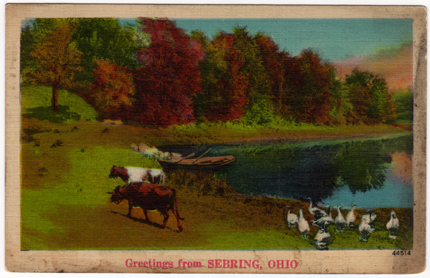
[112, 90]
[170, 74]
[276, 64]
[311, 100]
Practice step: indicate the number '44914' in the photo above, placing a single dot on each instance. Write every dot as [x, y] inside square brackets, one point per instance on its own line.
[402, 253]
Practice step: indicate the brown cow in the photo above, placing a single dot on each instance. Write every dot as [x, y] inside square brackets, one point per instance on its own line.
[149, 197]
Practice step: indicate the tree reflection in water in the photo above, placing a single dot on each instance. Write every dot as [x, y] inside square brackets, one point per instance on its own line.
[303, 171]
[363, 165]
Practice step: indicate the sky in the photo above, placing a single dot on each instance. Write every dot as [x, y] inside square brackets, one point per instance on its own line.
[333, 39]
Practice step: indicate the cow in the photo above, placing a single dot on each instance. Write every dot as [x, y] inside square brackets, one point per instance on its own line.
[135, 174]
[149, 197]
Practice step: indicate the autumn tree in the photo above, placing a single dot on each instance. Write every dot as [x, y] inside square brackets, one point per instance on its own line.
[293, 82]
[274, 63]
[32, 33]
[169, 76]
[234, 76]
[370, 98]
[311, 99]
[112, 90]
[226, 86]
[57, 59]
[202, 102]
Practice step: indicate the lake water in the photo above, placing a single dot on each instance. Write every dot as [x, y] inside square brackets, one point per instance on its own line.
[371, 173]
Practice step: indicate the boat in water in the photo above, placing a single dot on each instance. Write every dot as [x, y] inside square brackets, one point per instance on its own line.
[195, 164]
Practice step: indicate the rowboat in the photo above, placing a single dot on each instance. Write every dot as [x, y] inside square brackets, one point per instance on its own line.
[200, 163]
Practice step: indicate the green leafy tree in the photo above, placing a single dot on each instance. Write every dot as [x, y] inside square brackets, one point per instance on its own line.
[57, 58]
[341, 108]
[404, 103]
[369, 97]
[140, 38]
[104, 39]
[31, 34]
[260, 113]
[362, 172]
[27, 43]
[253, 65]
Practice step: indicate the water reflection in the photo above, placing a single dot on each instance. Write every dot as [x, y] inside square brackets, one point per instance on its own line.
[317, 171]
[362, 165]
[334, 172]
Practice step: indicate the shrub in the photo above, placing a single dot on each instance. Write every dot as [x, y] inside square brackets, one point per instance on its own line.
[404, 103]
[260, 113]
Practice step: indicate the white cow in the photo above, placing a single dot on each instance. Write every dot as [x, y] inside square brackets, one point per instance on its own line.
[136, 174]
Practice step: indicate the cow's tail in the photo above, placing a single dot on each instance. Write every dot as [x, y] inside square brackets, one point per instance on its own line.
[176, 206]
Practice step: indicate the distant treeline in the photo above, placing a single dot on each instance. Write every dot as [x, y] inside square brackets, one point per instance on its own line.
[153, 72]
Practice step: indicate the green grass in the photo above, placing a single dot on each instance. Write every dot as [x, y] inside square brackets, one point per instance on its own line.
[257, 240]
[240, 126]
[36, 103]
[404, 122]
[86, 184]
[211, 133]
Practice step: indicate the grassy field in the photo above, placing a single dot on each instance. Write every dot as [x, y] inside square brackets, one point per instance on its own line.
[66, 159]
[36, 103]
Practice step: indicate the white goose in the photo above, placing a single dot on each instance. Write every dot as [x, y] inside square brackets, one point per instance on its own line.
[322, 238]
[370, 217]
[303, 225]
[317, 213]
[325, 220]
[365, 228]
[292, 218]
[340, 221]
[350, 218]
[392, 225]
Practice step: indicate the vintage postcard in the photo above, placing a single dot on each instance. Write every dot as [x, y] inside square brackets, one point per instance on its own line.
[215, 138]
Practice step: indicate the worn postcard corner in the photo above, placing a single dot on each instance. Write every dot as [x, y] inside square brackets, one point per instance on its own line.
[215, 139]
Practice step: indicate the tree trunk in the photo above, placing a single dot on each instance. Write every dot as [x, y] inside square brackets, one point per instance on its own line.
[54, 98]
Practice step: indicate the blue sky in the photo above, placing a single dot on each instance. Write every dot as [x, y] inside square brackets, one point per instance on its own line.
[333, 39]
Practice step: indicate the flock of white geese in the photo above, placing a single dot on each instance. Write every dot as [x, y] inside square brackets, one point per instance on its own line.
[323, 219]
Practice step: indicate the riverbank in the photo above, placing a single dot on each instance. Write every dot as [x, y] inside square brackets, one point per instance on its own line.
[65, 204]
[125, 135]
